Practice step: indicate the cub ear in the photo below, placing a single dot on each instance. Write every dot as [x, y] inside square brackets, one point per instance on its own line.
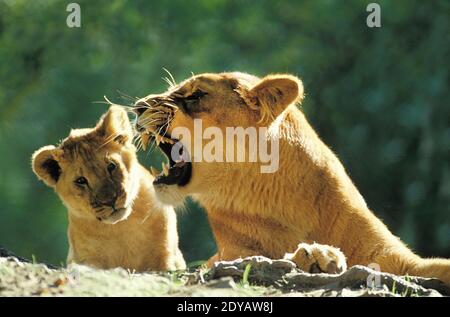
[45, 165]
[274, 93]
[115, 125]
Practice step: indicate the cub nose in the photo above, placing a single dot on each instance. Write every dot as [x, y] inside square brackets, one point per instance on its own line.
[105, 201]
[106, 196]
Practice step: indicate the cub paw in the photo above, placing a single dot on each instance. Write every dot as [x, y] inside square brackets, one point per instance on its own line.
[318, 258]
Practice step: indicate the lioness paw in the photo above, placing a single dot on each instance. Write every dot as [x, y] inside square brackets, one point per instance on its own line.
[318, 258]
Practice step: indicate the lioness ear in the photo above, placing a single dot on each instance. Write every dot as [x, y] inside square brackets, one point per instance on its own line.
[45, 165]
[274, 93]
[115, 125]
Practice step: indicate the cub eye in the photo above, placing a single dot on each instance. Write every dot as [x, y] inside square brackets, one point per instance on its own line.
[81, 181]
[111, 167]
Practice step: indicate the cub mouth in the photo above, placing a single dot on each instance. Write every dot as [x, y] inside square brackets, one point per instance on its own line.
[178, 169]
[113, 216]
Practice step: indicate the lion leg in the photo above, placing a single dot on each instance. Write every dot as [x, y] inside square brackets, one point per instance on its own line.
[405, 262]
[318, 258]
[435, 268]
[392, 256]
[212, 260]
[180, 263]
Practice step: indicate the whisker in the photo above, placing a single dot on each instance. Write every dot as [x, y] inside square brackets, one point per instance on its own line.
[161, 108]
[150, 120]
[170, 105]
[153, 145]
[109, 102]
[126, 108]
[127, 99]
[151, 150]
[166, 124]
[102, 102]
[127, 96]
[162, 127]
[109, 139]
[136, 143]
[156, 117]
[139, 145]
[167, 80]
[170, 75]
[144, 104]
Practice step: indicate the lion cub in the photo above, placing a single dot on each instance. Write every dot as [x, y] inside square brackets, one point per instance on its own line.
[114, 218]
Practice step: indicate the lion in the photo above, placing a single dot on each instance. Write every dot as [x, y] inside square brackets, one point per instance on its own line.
[308, 211]
[114, 218]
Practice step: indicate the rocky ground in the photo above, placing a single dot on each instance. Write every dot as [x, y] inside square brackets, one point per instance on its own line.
[254, 276]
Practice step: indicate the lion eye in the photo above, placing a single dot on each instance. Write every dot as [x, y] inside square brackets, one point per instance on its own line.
[81, 181]
[111, 167]
[190, 103]
[197, 95]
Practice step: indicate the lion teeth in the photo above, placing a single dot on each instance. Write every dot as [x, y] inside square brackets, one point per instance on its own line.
[144, 140]
[154, 171]
[165, 168]
[162, 139]
[167, 140]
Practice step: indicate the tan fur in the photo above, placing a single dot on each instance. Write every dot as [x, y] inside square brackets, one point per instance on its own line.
[309, 199]
[141, 235]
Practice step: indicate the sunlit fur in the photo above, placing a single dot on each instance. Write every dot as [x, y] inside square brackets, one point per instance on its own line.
[142, 235]
[309, 199]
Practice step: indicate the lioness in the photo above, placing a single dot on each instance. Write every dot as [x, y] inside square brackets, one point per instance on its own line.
[114, 218]
[309, 199]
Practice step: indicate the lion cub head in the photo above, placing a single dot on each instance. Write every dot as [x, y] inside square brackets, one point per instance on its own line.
[94, 171]
[219, 101]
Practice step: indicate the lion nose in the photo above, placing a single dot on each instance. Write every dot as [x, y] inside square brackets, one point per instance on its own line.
[140, 109]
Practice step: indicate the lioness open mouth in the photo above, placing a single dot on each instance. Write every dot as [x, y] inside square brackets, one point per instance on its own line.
[177, 171]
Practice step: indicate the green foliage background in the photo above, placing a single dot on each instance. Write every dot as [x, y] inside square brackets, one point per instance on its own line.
[378, 97]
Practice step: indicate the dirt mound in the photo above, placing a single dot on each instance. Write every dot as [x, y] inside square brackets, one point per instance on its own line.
[253, 276]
